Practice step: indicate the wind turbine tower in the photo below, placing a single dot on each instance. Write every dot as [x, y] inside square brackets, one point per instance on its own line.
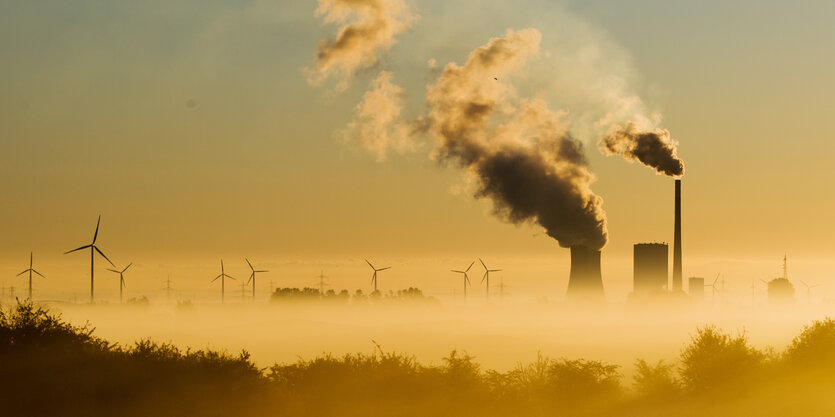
[93, 250]
[501, 288]
[374, 276]
[222, 277]
[252, 277]
[713, 290]
[121, 279]
[466, 278]
[30, 271]
[808, 291]
[486, 277]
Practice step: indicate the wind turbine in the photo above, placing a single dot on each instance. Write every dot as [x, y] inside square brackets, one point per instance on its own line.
[486, 276]
[252, 277]
[808, 290]
[466, 278]
[93, 250]
[30, 271]
[222, 277]
[376, 270]
[243, 292]
[121, 279]
[501, 287]
[713, 290]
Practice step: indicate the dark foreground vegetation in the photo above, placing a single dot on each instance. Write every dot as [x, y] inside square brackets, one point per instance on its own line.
[50, 368]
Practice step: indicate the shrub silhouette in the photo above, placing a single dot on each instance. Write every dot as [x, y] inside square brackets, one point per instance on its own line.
[580, 381]
[656, 381]
[717, 362]
[60, 369]
[51, 368]
[814, 347]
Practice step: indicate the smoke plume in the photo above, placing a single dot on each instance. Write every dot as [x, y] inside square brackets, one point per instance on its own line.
[366, 28]
[653, 148]
[377, 125]
[527, 165]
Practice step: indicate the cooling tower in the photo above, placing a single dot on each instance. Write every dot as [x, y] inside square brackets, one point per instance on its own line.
[677, 241]
[649, 267]
[585, 283]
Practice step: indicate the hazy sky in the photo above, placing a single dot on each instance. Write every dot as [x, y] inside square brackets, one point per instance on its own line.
[190, 126]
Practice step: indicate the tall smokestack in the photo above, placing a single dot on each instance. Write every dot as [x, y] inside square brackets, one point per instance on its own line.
[585, 283]
[677, 241]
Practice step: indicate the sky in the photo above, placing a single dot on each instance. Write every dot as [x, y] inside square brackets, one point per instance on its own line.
[192, 128]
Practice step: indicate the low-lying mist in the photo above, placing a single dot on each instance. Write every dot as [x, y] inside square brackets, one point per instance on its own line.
[499, 335]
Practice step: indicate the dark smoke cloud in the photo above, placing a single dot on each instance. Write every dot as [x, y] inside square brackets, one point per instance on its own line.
[526, 184]
[528, 166]
[653, 148]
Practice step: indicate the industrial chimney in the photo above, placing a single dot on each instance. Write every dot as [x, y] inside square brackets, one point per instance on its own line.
[585, 283]
[677, 241]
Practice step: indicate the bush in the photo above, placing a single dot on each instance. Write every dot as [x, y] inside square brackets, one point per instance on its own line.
[580, 380]
[60, 369]
[814, 347]
[715, 361]
[655, 381]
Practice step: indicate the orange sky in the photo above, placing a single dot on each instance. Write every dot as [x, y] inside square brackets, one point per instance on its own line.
[94, 118]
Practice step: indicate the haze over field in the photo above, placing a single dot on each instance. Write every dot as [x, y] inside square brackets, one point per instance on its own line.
[399, 207]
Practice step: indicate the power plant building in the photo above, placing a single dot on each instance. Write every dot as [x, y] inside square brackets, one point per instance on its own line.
[780, 291]
[650, 268]
[696, 288]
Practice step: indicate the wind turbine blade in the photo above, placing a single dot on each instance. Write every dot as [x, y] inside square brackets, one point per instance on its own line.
[262, 270]
[369, 264]
[38, 273]
[484, 276]
[482, 263]
[126, 268]
[104, 256]
[230, 277]
[113, 270]
[495, 270]
[216, 278]
[122, 281]
[468, 268]
[383, 269]
[455, 270]
[83, 247]
[250, 265]
[250, 279]
[25, 271]
[467, 279]
[803, 282]
[95, 235]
